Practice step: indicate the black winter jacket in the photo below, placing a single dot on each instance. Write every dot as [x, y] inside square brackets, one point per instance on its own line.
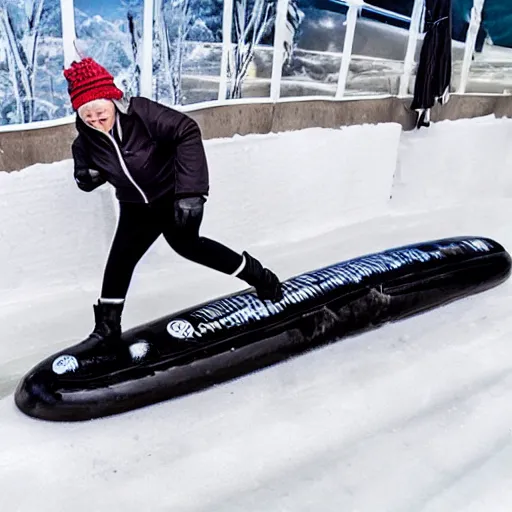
[156, 150]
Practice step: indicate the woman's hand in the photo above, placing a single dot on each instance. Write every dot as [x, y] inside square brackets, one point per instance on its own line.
[188, 211]
[88, 179]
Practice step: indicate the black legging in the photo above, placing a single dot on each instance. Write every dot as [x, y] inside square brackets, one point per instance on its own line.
[139, 227]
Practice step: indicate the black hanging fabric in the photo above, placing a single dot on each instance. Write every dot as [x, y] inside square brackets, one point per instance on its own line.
[435, 66]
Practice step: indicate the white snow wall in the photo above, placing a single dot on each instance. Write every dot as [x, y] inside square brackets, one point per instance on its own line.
[266, 191]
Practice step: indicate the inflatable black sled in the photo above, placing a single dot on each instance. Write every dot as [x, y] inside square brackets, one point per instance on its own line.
[237, 334]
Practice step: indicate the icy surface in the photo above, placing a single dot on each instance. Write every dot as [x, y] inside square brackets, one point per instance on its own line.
[415, 416]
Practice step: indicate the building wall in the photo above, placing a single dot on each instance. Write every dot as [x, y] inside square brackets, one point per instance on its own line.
[22, 148]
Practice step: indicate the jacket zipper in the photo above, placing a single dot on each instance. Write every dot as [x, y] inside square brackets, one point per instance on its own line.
[125, 169]
[122, 162]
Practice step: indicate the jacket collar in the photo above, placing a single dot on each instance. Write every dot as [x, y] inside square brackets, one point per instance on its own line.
[122, 105]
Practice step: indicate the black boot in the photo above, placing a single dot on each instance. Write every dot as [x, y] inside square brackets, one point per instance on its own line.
[107, 327]
[265, 282]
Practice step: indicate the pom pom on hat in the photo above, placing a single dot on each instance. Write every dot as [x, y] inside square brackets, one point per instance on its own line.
[88, 81]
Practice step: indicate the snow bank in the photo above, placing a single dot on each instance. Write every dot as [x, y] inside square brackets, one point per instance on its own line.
[454, 162]
[281, 187]
[52, 233]
[265, 190]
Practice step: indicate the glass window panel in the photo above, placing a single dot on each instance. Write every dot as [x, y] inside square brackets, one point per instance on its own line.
[187, 50]
[32, 86]
[250, 64]
[313, 66]
[110, 31]
[491, 66]
[380, 45]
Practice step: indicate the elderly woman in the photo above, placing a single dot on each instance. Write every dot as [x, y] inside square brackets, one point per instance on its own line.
[154, 157]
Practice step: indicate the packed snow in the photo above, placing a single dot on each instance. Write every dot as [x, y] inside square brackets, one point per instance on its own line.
[414, 416]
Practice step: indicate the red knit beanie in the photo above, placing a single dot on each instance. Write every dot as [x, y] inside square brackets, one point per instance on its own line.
[88, 81]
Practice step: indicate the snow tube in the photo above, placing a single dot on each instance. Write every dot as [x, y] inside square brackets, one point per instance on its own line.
[231, 336]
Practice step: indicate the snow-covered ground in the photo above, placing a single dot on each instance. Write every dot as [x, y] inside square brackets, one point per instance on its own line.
[415, 416]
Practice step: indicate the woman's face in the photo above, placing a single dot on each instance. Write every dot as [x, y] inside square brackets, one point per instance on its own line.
[100, 114]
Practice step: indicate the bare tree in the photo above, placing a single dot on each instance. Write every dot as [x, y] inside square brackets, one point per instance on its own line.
[249, 30]
[22, 41]
[133, 85]
[181, 29]
[172, 25]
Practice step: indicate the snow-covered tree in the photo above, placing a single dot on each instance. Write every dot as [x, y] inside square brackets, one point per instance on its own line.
[20, 26]
[254, 22]
[172, 24]
[252, 19]
[178, 21]
[131, 83]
